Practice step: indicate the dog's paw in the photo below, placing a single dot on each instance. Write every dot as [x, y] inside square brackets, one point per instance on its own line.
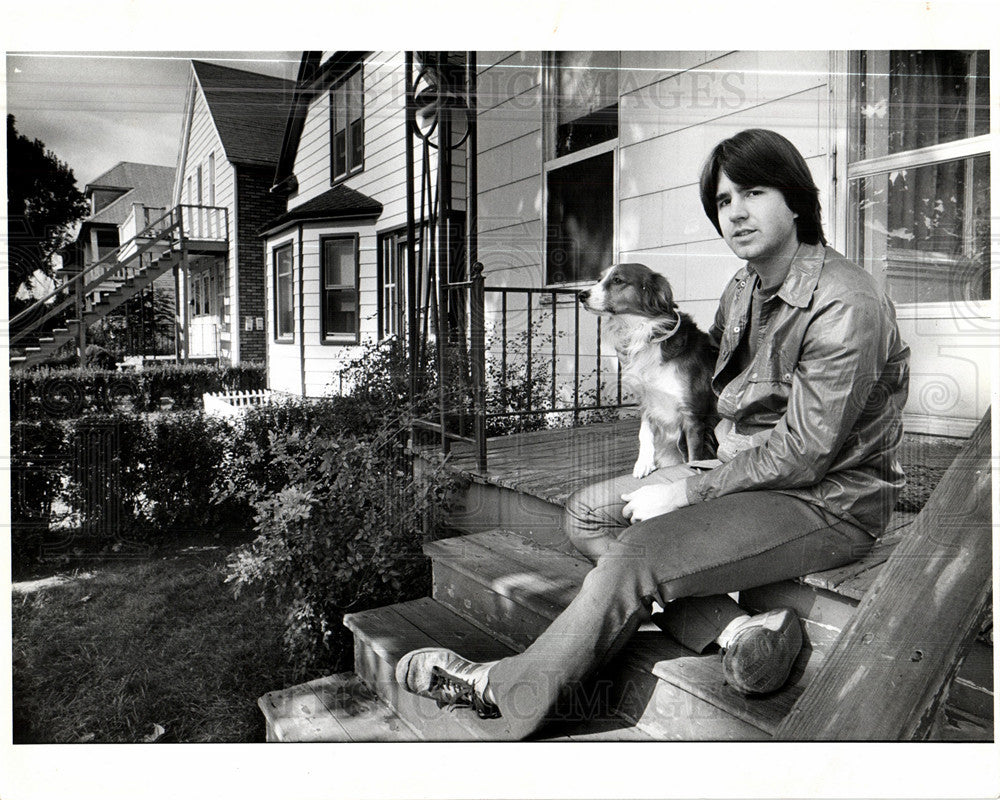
[643, 467]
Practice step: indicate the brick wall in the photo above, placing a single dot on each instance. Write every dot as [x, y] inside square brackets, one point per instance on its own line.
[256, 206]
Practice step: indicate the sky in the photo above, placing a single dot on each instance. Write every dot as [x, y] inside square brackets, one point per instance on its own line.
[95, 109]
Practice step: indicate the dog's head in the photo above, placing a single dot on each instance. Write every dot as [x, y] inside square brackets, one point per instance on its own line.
[630, 289]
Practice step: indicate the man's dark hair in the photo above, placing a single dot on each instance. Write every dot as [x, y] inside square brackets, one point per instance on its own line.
[758, 157]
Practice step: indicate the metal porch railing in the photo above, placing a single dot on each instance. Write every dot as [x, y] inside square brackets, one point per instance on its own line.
[528, 356]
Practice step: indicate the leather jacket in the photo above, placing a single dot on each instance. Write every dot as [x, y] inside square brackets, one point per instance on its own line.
[817, 411]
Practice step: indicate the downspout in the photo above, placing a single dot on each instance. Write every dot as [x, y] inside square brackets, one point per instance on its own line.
[302, 316]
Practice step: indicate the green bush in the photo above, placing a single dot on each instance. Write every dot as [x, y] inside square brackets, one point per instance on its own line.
[126, 478]
[66, 393]
[342, 533]
[176, 461]
[339, 517]
[37, 462]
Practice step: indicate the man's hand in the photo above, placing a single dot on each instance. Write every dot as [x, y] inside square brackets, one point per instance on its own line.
[651, 501]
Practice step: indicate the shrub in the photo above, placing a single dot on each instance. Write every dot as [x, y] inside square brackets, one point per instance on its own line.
[342, 533]
[127, 478]
[339, 517]
[64, 393]
[176, 463]
[37, 461]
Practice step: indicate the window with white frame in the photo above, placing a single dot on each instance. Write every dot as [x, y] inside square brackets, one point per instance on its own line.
[919, 172]
[284, 308]
[581, 139]
[339, 289]
[347, 135]
[392, 276]
[393, 258]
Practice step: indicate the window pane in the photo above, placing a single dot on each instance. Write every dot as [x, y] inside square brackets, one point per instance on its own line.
[586, 99]
[355, 106]
[355, 98]
[927, 230]
[340, 296]
[357, 154]
[341, 311]
[338, 262]
[580, 219]
[338, 99]
[908, 99]
[211, 179]
[283, 292]
[339, 153]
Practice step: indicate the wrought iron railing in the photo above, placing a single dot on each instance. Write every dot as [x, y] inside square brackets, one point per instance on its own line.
[556, 401]
[518, 362]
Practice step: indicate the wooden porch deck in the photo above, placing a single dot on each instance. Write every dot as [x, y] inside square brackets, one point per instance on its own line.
[552, 464]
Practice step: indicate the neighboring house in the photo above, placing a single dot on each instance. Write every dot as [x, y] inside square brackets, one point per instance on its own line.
[232, 133]
[336, 259]
[587, 158]
[123, 200]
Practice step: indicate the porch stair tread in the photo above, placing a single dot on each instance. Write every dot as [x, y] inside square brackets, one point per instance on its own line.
[335, 708]
[383, 635]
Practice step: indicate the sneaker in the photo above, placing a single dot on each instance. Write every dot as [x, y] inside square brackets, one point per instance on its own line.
[447, 678]
[761, 652]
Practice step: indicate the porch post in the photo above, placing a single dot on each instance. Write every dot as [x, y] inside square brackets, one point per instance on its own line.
[477, 299]
[184, 272]
[411, 260]
[443, 260]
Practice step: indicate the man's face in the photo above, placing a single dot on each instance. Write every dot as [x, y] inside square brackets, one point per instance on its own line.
[756, 222]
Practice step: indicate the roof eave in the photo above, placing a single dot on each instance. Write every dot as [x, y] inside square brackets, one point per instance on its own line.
[291, 223]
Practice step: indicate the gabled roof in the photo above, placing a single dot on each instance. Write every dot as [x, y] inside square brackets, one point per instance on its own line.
[339, 202]
[249, 110]
[148, 184]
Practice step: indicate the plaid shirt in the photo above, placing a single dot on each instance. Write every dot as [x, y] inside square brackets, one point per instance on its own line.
[816, 412]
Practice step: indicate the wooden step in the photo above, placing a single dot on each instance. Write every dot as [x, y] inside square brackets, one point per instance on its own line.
[383, 635]
[337, 708]
[509, 585]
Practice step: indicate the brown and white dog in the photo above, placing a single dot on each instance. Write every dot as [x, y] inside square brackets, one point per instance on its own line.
[666, 360]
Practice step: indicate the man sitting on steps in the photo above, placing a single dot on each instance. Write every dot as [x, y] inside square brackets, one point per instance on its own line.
[811, 379]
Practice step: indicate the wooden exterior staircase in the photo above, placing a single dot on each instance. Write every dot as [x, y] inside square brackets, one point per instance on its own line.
[40, 330]
[891, 650]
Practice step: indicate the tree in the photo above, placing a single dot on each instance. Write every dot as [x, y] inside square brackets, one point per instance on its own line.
[43, 204]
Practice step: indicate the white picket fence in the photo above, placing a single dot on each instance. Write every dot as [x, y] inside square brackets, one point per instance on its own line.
[233, 404]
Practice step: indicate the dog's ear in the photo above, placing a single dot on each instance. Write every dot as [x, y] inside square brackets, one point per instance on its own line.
[657, 295]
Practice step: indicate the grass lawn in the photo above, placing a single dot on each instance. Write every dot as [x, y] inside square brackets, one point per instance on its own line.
[108, 652]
